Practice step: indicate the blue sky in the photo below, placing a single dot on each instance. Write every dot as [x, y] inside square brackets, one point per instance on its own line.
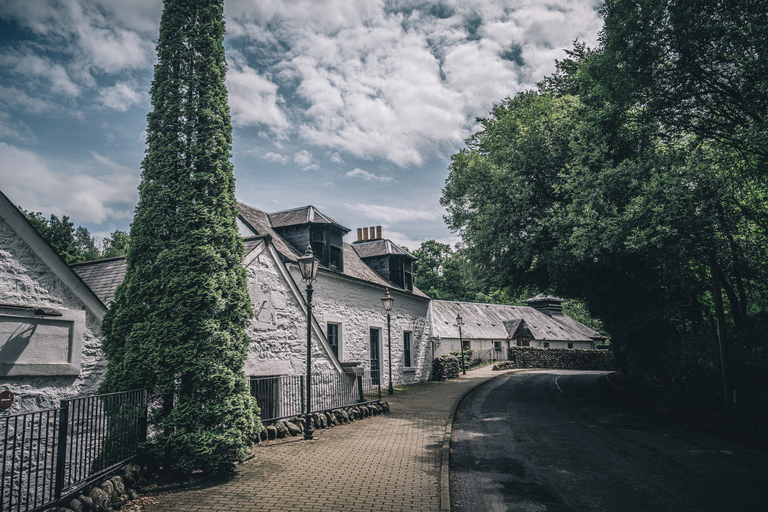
[354, 106]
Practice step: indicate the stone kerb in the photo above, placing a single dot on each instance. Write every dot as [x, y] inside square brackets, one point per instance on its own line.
[557, 359]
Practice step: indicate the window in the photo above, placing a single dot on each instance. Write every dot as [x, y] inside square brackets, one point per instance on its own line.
[546, 344]
[524, 341]
[407, 349]
[497, 346]
[570, 345]
[327, 245]
[401, 272]
[374, 354]
[333, 338]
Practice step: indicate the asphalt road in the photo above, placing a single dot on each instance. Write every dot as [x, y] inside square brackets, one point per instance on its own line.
[557, 441]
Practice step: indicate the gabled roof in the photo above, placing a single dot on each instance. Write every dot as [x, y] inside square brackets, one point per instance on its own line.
[102, 276]
[262, 223]
[384, 247]
[24, 229]
[487, 321]
[300, 216]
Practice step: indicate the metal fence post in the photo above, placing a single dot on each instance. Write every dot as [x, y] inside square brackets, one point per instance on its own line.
[61, 448]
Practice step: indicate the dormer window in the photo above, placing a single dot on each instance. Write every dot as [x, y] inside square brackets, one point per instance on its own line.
[327, 244]
[401, 272]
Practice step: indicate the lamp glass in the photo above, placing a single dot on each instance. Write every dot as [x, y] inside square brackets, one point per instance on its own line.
[459, 321]
[387, 301]
[308, 265]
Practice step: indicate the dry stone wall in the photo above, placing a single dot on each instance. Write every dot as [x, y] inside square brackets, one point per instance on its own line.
[557, 359]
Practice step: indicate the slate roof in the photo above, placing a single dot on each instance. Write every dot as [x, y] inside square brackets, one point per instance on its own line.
[384, 247]
[486, 321]
[263, 224]
[102, 276]
[260, 223]
[304, 215]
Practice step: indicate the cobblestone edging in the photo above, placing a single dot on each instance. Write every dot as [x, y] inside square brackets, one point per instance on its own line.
[295, 425]
[557, 359]
[108, 495]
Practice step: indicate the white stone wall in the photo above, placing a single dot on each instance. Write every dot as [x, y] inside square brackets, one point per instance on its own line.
[26, 280]
[278, 330]
[356, 307]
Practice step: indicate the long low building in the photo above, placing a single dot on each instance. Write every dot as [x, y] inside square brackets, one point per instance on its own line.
[489, 330]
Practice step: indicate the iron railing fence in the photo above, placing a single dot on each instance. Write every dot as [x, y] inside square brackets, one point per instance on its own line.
[49, 454]
[284, 396]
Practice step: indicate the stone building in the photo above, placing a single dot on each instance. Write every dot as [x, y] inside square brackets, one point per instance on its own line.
[491, 329]
[349, 324]
[50, 347]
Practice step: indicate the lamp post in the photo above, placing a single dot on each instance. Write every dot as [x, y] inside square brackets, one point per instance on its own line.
[460, 322]
[308, 269]
[387, 302]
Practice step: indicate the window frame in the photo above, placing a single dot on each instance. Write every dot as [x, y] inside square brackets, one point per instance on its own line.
[408, 336]
[337, 327]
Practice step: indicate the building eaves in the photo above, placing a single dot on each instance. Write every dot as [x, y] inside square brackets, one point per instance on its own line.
[303, 215]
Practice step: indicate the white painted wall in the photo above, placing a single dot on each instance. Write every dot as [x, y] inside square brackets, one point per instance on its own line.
[356, 306]
[278, 330]
[26, 280]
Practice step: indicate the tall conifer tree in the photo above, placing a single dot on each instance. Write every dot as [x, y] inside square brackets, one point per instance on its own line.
[176, 325]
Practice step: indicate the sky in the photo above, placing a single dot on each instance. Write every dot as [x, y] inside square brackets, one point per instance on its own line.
[353, 106]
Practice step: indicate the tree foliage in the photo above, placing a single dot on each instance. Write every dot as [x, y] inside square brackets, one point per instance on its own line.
[176, 326]
[630, 178]
[75, 244]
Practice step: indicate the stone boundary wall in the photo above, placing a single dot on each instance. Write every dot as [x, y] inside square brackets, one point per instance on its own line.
[557, 359]
[327, 419]
[445, 367]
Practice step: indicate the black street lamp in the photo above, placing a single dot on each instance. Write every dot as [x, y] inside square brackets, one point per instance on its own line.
[308, 269]
[460, 322]
[387, 301]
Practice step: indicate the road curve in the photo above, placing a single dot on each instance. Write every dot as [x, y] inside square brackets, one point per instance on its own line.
[557, 441]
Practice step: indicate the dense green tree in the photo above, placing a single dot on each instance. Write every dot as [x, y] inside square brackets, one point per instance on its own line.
[176, 326]
[626, 183]
[116, 244]
[72, 244]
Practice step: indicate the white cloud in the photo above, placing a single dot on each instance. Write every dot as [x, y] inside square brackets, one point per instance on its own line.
[394, 214]
[13, 129]
[392, 80]
[305, 161]
[83, 197]
[253, 99]
[276, 158]
[122, 96]
[368, 176]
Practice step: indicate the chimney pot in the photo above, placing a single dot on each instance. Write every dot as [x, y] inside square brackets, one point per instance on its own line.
[359, 234]
[378, 232]
[365, 233]
[373, 233]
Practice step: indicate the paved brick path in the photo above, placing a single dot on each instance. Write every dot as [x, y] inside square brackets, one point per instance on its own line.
[384, 463]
